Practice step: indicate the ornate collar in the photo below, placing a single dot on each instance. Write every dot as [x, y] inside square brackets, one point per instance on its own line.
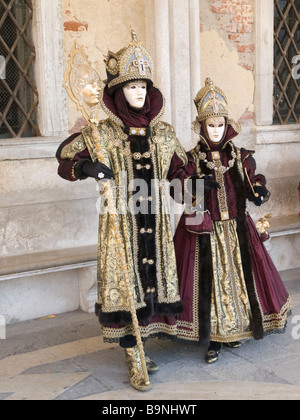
[108, 106]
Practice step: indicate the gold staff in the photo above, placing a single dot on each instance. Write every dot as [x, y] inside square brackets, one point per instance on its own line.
[84, 87]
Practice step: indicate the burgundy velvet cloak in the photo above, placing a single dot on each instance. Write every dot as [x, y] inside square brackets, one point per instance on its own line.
[269, 299]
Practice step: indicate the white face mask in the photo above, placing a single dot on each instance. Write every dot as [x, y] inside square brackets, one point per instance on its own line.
[215, 128]
[135, 93]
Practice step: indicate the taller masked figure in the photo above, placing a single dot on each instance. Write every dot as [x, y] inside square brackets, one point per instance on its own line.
[229, 285]
[138, 149]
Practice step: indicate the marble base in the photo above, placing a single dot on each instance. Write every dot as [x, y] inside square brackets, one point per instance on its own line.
[285, 251]
[38, 296]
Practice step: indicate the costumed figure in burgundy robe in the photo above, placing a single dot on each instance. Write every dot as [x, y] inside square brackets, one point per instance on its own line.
[136, 145]
[229, 285]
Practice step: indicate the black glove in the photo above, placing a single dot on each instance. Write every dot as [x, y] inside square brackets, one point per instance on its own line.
[262, 194]
[97, 170]
[210, 183]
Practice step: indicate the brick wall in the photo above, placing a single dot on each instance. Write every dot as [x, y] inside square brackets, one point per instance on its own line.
[234, 20]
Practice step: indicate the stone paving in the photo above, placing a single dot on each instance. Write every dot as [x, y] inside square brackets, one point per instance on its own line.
[64, 358]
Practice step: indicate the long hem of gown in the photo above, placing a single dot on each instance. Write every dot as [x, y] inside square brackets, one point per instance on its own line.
[277, 323]
[272, 324]
[157, 327]
[272, 297]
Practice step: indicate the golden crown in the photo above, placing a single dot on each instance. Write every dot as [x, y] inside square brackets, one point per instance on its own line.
[211, 102]
[130, 63]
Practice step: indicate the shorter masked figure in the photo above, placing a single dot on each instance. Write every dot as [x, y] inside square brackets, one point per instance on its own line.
[229, 285]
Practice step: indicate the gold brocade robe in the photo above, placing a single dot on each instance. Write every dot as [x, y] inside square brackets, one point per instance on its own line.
[112, 291]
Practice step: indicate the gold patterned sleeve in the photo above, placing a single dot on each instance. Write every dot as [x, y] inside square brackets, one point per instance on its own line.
[72, 154]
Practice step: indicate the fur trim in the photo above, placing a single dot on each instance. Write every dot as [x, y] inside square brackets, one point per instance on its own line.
[243, 236]
[124, 318]
[147, 241]
[205, 287]
[78, 169]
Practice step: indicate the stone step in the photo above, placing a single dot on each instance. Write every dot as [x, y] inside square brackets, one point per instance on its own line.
[284, 244]
[285, 225]
[26, 265]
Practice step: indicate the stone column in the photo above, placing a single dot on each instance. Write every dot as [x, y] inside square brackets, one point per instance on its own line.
[173, 37]
[49, 67]
[264, 77]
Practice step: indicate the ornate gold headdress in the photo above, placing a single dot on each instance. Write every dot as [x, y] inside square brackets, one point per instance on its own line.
[130, 63]
[211, 102]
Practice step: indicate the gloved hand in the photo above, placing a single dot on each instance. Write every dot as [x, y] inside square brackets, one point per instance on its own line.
[262, 193]
[97, 170]
[210, 183]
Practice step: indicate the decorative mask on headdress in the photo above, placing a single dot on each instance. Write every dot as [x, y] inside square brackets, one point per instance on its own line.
[83, 84]
[211, 102]
[130, 63]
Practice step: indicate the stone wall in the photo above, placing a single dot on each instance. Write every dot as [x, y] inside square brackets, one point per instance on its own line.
[227, 28]
[101, 27]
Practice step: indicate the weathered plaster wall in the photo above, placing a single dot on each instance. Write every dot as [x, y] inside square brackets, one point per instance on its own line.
[226, 43]
[102, 26]
[227, 47]
[222, 65]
